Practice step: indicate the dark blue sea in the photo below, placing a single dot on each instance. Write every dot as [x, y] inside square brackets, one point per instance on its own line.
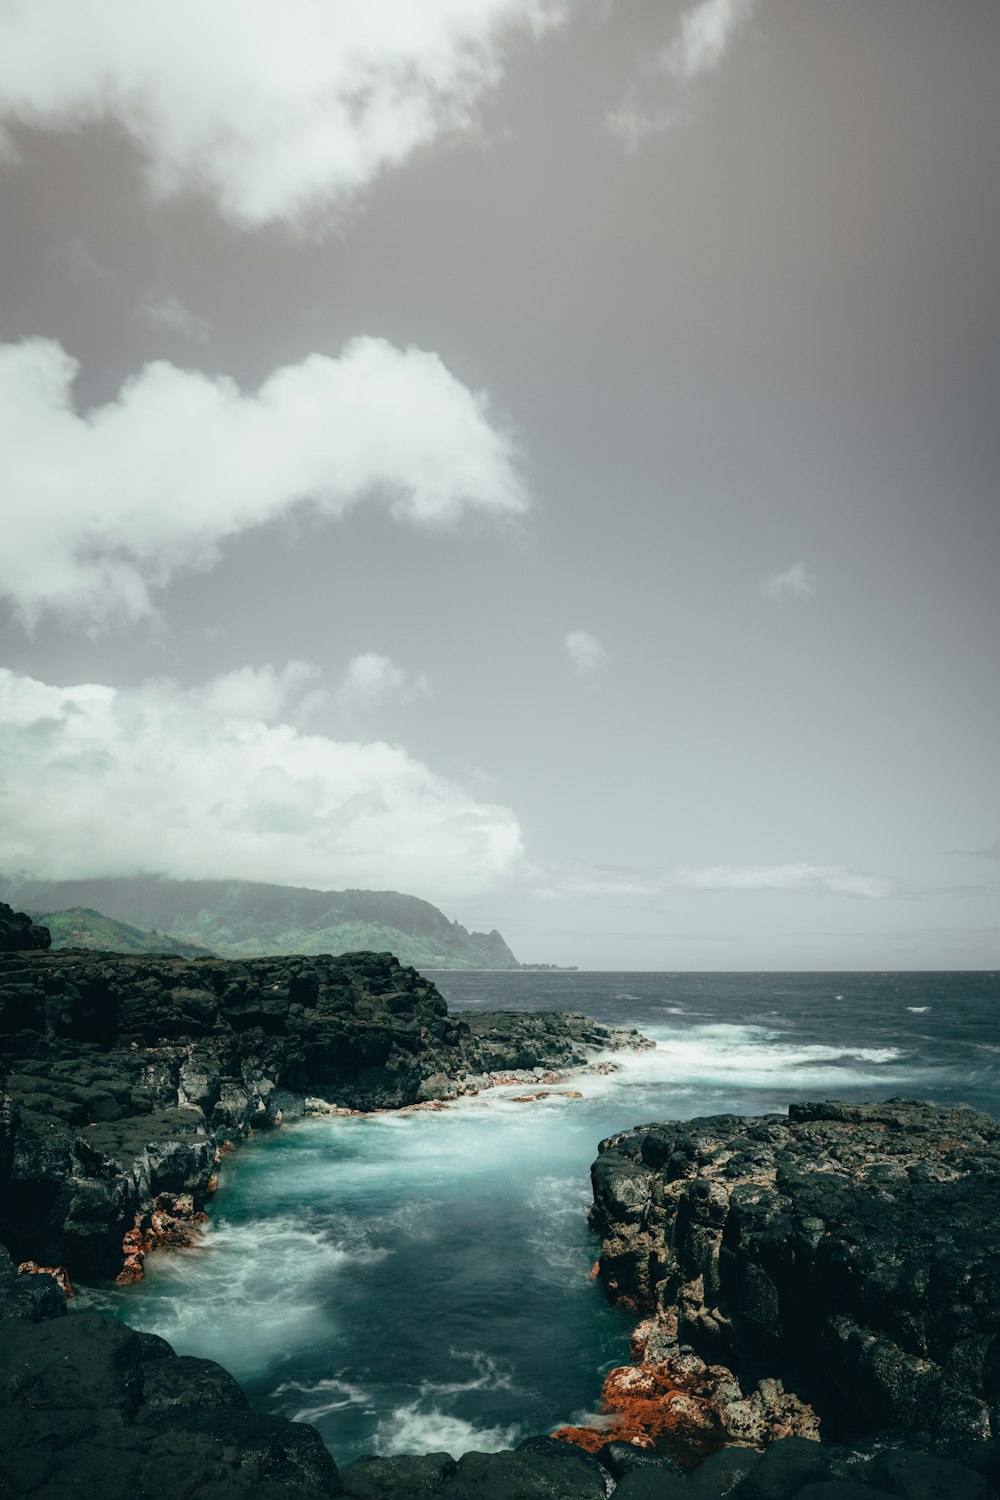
[417, 1282]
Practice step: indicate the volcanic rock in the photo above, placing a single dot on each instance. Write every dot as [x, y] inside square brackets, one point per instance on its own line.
[19, 934]
[124, 1076]
[849, 1251]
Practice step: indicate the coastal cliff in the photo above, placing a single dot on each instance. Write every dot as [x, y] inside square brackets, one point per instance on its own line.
[125, 1077]
[846, 1253]
[247, 919]
[782, 1246]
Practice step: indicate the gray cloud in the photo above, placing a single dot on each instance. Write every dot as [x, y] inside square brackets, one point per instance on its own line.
[991, 851]
[567, 880]
[165, 311]
[796, 582]
[588, 655]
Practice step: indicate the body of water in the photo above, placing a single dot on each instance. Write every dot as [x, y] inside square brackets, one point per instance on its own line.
[416, 1282]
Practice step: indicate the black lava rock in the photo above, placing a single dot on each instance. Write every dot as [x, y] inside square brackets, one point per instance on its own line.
[848, 1248]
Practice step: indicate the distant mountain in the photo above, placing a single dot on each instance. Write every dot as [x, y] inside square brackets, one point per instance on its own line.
[80, 927]
[235, 919]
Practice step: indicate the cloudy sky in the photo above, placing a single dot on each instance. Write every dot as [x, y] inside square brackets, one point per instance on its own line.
[540, 455]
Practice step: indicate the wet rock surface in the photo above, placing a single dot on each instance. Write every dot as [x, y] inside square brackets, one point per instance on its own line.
[89, 1406]
[840, 1263]
[124, 1076]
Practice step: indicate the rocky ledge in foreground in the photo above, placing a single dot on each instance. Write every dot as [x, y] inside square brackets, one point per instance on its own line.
[123, 1078]
[848, 1254]
[88, 1406]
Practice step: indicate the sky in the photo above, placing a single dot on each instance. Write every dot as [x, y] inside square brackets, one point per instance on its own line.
[539, 455]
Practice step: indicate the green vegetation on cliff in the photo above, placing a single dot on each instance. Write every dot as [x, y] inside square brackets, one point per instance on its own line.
[80, 927]
[244, 919]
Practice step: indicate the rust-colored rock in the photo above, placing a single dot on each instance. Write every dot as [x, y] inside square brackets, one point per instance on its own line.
[59, 1275]
[807, 1244]
[175, 1223]
[687, 1408]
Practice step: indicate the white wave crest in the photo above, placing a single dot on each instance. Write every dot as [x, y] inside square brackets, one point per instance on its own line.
[490, 1375]
[746, 1056]
[324, 1396]
[415, 1429]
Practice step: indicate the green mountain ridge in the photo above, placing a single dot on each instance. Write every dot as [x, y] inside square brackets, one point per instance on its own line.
[243, 919]
[81, 927]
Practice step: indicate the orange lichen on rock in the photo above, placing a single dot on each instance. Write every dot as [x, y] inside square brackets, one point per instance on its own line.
[651, 1407]
[174, 1223]
[59, 1275]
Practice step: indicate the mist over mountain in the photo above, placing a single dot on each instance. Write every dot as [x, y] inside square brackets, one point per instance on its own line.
[235, 918]
[82, 927]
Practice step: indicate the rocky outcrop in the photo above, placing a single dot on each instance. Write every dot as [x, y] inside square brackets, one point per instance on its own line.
[848, 1246]
[846, 1253]
[124, 1077]
[89, 1406]
[19, 934]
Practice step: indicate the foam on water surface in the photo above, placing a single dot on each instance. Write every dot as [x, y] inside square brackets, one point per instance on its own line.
[419, 1281]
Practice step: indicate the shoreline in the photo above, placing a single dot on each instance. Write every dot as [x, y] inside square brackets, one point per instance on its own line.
[394, 1030]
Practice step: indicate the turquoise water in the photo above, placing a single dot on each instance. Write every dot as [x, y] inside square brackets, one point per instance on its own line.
[413, 1282]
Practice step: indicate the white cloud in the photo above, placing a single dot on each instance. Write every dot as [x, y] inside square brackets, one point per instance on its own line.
[702, 39]
[567, 880]
[164, 311]
[705, 32]
[587, 653]
[632, 125]
[832, 879]
[102, 508]
[795, 582]
[276, 109]
[217, 782]
[372, 679]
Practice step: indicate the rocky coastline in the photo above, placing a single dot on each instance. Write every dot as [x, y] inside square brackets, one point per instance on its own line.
[834, 1271]
[838, 1264]
[126, 1077]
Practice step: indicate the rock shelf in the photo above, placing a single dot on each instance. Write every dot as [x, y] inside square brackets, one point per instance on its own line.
[126, 1077]
[840, 1261]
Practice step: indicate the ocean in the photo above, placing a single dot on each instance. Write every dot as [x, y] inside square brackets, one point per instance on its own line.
[418, 1282]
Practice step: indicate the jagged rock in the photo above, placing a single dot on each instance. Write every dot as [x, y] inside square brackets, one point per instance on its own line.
[19, 933]
[419, 1477]
[183, 1381]
[620, 1458]
[125, 1074]
[722, 1473]
[922, 1476]
[784, 1469]
[31, 1296]
[82, 1411]
[528, 1476]
[847, 1249]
